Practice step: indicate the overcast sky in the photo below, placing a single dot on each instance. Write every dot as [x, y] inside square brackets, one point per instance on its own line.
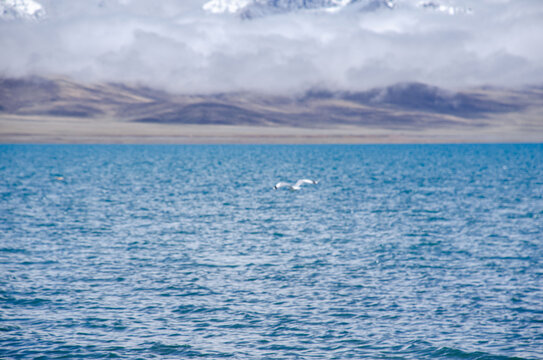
[178, 46]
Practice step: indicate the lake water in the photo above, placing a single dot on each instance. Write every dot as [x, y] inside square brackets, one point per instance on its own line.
[171, 252]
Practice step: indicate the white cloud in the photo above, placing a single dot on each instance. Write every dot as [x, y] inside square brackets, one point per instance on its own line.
[178, 46]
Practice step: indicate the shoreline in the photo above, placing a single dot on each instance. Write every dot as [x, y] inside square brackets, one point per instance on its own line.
[30, 129]
[241, 141]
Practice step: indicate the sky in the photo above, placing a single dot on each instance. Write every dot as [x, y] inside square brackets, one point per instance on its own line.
[178, 46]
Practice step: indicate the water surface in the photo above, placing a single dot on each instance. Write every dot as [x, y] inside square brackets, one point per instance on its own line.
[405, 252]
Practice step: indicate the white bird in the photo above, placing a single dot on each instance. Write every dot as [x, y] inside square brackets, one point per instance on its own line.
[296, 186]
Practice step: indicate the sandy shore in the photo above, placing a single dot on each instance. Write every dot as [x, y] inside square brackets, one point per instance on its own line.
[45, 129]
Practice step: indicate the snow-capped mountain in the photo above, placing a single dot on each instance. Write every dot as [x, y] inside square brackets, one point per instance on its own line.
[250, 8]
[257, 8]
[444, 8]
[33, 10]
[21, 9]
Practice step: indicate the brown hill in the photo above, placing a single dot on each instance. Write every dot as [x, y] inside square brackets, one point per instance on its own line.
[411, 107]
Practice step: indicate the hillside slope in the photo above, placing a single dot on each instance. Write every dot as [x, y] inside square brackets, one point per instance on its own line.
[411, 107]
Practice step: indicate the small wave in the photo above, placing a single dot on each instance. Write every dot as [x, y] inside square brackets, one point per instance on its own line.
[452, 353]
[193, 309]
[183, 350]
[24, 302]
[425, 350]
[14, 250]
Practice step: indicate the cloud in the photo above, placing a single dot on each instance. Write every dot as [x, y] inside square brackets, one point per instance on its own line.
[176, 45]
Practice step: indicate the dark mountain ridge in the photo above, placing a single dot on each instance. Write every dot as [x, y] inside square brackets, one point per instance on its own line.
[396, 106]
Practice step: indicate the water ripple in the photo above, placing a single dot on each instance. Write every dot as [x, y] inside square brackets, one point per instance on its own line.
[168, 252]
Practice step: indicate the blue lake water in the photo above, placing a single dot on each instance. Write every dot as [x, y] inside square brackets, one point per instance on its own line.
[171, 252]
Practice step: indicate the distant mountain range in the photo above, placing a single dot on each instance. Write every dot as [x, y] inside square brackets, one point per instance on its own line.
[258, 8]
[407, 105]
[33, 10]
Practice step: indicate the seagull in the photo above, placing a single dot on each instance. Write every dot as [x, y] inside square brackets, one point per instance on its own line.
[296, 186]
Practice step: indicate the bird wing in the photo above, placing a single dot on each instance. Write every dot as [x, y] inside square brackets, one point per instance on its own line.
[304, 181]
[281, 184]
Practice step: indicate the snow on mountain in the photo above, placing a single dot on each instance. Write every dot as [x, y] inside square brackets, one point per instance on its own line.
[21, 9]
[33, 10]
[447, 9]
[262, 7]
[257, 8]
[223, 6]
